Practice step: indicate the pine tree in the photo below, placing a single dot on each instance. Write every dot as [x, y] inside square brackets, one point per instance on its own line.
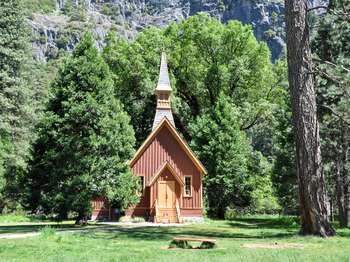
[313, 212]
[223, 148]
[85, 140]
[332, 54]
[16, 114]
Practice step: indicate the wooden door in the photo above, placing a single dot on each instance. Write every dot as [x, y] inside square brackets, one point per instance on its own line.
[166, 194]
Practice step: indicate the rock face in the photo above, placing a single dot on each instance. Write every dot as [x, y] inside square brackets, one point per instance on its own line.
[62, 29]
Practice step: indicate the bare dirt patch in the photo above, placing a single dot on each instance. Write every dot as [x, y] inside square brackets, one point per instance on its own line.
[273, 245]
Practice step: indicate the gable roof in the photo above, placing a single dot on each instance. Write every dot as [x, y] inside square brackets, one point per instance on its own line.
[166, 124]
[166, 165]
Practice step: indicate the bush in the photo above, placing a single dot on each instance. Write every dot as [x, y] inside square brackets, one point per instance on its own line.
[125, 219]
[138, 220]
[42, 6]
[47, 232]
[237, 212]
[106, 10]
[131, 219]
[288, 221]
[264, 202]
[18, 217]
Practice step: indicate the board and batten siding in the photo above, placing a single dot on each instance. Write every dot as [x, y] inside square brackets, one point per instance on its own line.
[162, 148]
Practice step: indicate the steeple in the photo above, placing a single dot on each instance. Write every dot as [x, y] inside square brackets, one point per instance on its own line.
[163, 92]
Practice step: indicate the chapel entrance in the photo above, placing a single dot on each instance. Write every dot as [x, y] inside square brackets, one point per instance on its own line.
[167, 201]
[166, 196]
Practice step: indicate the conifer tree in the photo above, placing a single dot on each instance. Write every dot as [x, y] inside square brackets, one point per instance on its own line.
[223, 148]
[332, 56]
[16, 115]
[85, 140]
[313, 211]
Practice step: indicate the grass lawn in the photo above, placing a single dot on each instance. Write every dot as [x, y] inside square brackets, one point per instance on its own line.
[239, 240]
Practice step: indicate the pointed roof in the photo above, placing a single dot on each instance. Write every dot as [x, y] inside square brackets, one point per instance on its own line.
[163, 80]
[166, 123]
[168, 166]
[160, 115]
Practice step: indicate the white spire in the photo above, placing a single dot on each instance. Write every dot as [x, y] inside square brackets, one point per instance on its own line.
[163, 92]
[163, 80]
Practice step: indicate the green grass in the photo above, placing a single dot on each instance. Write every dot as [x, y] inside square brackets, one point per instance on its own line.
[12, 218]
[117, 243]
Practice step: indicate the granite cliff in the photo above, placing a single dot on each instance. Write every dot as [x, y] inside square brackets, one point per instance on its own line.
[60, 29]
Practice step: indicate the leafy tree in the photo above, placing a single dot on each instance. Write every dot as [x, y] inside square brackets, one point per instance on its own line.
[223, 148]
[16, 111]
[284, 175]
[208, 58]
[84, 141]
[205, 58]
[135, 68]
[263, 196]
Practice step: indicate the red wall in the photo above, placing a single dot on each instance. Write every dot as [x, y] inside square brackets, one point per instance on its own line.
[165, 147]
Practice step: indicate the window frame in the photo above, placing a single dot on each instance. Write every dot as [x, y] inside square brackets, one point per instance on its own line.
[142, 178]
[185, 194]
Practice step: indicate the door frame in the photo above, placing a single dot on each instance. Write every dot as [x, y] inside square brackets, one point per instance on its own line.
[173, 192]
[178, 181]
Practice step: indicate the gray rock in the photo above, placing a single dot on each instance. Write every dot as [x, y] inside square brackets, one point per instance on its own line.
[55, 32]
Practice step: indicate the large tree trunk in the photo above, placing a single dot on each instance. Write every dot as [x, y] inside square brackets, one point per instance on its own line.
[81, 220]
[314, 219]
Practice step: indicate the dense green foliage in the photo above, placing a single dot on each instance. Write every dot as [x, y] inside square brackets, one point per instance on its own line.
[17, 100]
[230, 102]
[42, 6]
[332, 56]
[135, 68]
[283, 148]
[84, 140]
[223, 147]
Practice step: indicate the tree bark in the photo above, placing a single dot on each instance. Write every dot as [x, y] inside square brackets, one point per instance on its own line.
[312, 194]
[342, 179]
[81, 219]
[341, 193]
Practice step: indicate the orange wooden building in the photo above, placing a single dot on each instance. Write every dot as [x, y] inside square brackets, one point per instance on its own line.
[169, 171]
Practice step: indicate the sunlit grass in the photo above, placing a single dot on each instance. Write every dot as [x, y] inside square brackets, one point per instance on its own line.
[118, 243]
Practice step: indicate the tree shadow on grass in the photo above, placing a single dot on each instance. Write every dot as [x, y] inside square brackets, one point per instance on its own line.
[162, 233]
[266, 223]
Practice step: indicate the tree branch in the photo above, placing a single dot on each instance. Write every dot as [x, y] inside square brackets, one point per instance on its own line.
[257, 116]
[332, 64]
[317, 7]
[336, 114]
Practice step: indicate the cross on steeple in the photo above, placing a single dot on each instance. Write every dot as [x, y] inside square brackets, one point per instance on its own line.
[163, 92]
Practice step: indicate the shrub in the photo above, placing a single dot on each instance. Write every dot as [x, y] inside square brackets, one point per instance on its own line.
[125, 219]
[237, 212]
[47, 232]
[106, 10]
[138, 220]
[42, 6]
[131, 219]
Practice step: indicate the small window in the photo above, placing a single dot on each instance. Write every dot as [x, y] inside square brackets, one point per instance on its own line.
[142, 183]
[188, 186]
